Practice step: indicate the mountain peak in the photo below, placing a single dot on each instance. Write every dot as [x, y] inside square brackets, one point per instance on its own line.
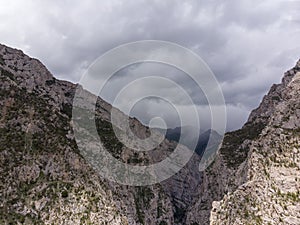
[273, 98]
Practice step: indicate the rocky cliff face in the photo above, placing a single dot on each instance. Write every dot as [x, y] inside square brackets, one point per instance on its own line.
[255, 177]
[45, 179]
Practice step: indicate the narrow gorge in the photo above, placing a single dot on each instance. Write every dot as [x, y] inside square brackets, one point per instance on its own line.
[255, 178]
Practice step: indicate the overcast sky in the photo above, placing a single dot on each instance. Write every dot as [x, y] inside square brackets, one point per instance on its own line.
[248, 44]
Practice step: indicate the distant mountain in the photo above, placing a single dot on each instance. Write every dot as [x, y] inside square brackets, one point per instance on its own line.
[174, 134]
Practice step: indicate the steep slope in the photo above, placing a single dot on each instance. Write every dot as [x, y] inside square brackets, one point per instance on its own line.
[45, 179]
[254, 179]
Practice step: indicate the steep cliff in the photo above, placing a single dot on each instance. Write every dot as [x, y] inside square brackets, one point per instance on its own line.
[43, 178]
[255, 177]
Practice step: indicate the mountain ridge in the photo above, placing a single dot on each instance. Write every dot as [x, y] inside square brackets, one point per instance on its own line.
[36, 113]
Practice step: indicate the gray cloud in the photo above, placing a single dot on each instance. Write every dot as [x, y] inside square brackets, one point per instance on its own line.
[247, 44]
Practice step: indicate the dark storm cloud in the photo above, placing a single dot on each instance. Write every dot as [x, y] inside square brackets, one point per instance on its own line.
[247, 44]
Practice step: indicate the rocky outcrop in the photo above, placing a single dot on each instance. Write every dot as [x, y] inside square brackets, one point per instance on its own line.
[271, 193]
[254, 179]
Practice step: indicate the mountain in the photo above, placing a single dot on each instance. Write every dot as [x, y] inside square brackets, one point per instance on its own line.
[44, 177]
[255, 176]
